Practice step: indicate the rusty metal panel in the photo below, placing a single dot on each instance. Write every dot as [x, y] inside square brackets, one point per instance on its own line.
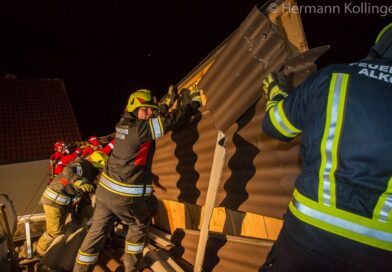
[250, 54]
[223, 253]
[182, 162]
[259, 171]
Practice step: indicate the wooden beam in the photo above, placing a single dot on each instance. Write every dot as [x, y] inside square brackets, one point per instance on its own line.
[216, 173]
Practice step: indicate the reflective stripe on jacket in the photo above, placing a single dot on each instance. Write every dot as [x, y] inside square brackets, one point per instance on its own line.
[345, 117]
[123, 188]
[127, 174]
[58, 198]
[61, 190]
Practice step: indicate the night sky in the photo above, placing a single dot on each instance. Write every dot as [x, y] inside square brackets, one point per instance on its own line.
[104, 50]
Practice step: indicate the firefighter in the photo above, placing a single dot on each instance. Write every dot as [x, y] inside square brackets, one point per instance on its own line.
[125, 187]
[94, 145]
[65, 160]
[58, 198]
[60, 149]
[340, 215]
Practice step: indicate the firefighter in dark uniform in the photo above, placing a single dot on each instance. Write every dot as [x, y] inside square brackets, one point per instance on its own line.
[125, 187]
[340, 216]
[59, 196]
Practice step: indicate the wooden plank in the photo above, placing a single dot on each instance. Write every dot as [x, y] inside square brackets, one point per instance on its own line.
[288, 23]
[273, 227]
[216, 173]
[177, 215]
[218, 220]
[161, 219]
[295, 34]
[254, 226]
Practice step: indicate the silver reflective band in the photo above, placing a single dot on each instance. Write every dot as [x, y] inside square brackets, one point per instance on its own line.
[275, 112]
[87, 258]
[157, 128]
[331, 134]
[47, 237]
[386, 209]
[342, 223]
[131, 191]
[134, 248]
[56, 197]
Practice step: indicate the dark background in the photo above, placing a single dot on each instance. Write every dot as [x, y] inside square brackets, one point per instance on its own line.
[105, 49]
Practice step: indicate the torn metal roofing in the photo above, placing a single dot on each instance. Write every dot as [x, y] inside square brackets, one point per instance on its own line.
[34, 114]
[230, 85]
[259, 172]
[258, 175]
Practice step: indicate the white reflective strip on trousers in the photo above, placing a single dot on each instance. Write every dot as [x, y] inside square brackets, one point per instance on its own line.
[342, 223]
[131, 191]
[56, 197]
[91, 259]
[157, 128]
[134, 248]
[47, 237]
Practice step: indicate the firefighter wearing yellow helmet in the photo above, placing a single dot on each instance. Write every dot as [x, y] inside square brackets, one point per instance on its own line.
[125, 187]
[98, 159]
[340, 215]
[140, 98]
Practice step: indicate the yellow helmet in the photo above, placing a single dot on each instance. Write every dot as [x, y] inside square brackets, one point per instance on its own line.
[98, 159]
[383, 45]
[140, 98]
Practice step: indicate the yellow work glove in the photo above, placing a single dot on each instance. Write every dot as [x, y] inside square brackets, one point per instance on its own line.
[170, 97]
[83, 186]
[273, 86]
[195, 94]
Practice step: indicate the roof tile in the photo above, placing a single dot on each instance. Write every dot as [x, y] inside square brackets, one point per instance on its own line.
[33, 115]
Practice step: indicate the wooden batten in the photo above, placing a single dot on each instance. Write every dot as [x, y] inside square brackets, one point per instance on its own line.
[177, 215]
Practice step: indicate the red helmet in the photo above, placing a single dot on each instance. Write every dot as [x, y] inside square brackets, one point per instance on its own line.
[59, 144]
[93, 140]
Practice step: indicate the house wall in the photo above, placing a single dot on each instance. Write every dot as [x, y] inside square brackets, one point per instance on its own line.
[24, 183]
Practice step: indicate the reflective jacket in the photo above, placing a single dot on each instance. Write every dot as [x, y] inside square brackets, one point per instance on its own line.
[53, 161]
[64, 160]
[87, 151]
[127, 177]
[344, 114]
[61, 191]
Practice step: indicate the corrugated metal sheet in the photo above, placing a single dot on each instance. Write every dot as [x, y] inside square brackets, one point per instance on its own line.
[223, 253]
[251, 53]
[259, 171]
[182, 162]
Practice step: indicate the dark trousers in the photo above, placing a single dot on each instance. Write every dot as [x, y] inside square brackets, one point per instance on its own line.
[136, 216]
[289, 255]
